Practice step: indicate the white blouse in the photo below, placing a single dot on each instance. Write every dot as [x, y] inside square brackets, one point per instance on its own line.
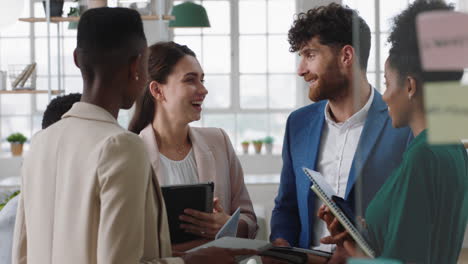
[179, 171]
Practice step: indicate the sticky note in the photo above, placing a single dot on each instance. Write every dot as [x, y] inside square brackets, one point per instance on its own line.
[443, 40]
[446, 105]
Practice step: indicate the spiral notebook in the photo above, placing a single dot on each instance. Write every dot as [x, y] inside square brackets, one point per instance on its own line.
[325, 192]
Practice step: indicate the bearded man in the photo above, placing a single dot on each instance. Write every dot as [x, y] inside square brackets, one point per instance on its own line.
[346, 135]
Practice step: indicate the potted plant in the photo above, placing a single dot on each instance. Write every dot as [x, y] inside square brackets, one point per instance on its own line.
[56, 8]
[258, 145]
[74, 12]
[16, 143]
[245, 146]
[269, 144]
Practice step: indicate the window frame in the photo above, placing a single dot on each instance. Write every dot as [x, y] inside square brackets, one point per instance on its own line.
[60, 75]
[235, 75]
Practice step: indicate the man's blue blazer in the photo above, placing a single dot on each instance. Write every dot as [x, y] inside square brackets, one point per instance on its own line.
[379, 152]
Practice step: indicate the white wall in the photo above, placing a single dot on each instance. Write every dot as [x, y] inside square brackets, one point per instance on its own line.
[155, 30]
[262, 196]
[9, 166]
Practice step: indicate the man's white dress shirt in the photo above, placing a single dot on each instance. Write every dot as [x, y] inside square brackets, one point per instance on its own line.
[338, 144]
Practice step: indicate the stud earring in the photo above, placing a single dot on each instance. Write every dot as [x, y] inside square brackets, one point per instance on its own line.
[137, 78]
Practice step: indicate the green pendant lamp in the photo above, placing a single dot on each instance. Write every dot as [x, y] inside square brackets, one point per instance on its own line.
[189, 14]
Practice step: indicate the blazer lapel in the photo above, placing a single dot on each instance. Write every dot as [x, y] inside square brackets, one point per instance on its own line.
[149, 138]
[373, 126]
[308, 144]
[203, 156]
[307, 141]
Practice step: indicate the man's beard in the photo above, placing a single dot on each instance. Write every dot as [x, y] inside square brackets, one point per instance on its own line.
[330, 85]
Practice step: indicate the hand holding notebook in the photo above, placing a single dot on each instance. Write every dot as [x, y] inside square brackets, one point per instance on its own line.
[206, 224]
[179, 198]
[345, 217]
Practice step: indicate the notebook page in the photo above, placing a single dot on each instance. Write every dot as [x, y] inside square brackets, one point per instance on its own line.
[230, 227]
[318, 179]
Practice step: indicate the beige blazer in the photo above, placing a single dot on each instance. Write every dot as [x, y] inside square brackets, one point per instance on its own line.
[88, 196]
[216, 161]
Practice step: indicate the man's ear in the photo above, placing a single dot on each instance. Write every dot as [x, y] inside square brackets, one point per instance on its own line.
[156, 91]
[347, 56]
[133, 73]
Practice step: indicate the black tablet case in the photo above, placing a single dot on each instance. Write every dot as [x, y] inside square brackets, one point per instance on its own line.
[179, 197]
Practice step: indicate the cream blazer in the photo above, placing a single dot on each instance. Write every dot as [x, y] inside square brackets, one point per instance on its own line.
[216, 161]
[88, 196]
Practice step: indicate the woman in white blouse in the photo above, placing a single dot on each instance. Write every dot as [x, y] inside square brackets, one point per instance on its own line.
[181, 154]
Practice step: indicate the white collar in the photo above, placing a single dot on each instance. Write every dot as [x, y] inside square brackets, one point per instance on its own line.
[358, 118]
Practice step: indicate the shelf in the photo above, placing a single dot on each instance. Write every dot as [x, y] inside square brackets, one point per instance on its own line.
[54, 92]
[76, 19]
[52, 19]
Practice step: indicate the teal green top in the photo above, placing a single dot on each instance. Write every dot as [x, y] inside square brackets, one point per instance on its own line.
[420, 213]
[372, 261]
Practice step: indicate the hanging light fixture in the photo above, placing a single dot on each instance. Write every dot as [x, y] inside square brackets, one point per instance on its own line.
[189, 14]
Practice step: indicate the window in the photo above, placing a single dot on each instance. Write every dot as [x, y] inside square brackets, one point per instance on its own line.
[378, 15]
[16, 111]
[22, 43]
[250, 74]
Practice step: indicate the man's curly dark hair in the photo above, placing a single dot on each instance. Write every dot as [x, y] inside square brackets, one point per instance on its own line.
[404, 52]
[333, 24]
[57, 107]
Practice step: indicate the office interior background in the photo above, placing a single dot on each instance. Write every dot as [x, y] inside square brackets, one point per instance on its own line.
[250, 75]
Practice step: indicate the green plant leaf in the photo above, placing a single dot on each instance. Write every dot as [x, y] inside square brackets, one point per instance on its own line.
[17, 138]
[8, 199]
